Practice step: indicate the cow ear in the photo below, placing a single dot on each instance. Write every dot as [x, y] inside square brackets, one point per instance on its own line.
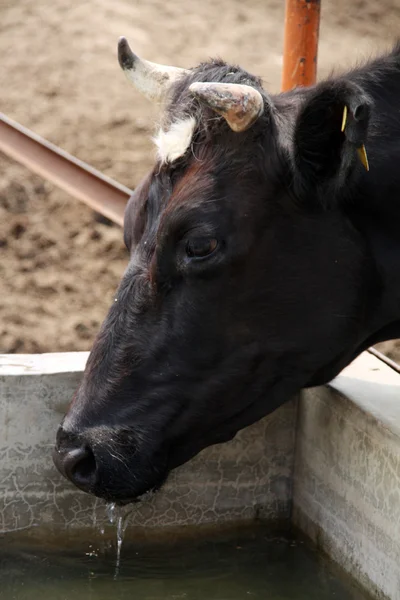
[330, 140]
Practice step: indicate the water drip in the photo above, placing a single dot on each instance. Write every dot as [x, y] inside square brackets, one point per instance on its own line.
[110, 512]
[120, 516]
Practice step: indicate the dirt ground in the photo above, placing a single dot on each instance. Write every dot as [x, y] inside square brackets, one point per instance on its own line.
[59, 76]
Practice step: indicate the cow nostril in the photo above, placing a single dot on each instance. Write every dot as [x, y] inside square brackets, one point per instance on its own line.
[80, 467]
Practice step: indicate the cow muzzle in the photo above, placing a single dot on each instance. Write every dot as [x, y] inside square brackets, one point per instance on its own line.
[108, 463]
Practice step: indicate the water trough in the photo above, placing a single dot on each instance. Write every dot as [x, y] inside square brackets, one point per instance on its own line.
[327, 462]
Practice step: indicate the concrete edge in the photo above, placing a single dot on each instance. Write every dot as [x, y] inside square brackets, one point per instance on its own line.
[366, 379]
[42, 364]
[347, 473]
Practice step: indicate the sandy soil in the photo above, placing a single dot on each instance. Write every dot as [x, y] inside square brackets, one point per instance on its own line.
[59, 76]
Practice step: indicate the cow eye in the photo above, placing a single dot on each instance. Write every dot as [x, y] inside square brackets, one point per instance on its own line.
[201, 247]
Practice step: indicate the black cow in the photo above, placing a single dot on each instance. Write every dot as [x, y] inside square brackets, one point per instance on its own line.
[264, 257]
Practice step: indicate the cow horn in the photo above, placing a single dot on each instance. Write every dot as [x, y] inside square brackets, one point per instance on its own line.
[240, 105]
[151, 79]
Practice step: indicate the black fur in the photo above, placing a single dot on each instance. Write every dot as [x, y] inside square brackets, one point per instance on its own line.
[305, 276]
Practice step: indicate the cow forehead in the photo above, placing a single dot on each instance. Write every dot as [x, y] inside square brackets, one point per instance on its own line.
[174, 142]
[156, 198]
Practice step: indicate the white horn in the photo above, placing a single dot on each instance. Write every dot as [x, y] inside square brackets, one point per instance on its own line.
[149, 78]
[240, 105]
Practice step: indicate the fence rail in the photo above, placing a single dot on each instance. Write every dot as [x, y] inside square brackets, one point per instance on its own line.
[82, 181]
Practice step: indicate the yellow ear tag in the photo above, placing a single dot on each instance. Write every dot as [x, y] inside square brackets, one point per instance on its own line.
[344, 120]
[362, 153]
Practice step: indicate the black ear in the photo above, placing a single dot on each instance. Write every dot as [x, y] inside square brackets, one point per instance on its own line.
[330, 140]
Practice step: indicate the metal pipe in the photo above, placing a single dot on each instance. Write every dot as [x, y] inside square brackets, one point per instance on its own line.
[390, 363]
[300, 46]
[101, 193]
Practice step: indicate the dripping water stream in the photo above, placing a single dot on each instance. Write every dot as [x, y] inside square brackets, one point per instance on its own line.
[120, 517]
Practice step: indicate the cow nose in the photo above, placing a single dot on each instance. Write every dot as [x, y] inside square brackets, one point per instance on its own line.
[75, 460]
[80, 467]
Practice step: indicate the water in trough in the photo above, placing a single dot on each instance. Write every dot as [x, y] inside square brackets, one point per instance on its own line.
[231, 565]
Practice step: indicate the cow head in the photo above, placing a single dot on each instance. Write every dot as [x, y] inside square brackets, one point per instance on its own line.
[246, 282]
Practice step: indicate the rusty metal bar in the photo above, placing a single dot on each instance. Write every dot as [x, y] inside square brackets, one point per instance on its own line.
[390, 363]
[101, 193]
[300, 46]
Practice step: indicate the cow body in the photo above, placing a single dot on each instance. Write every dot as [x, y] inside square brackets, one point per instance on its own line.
[263, 258]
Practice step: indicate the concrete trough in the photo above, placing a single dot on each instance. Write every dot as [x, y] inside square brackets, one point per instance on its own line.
[327, 462]
[347, 473]
[246, 478]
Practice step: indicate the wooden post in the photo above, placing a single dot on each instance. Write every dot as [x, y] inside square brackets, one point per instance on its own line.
[300, 50]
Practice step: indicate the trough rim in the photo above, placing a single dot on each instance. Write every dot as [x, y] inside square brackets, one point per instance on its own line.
[357, 382]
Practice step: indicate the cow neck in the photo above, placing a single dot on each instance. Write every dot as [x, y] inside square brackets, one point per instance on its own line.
[381, 232]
